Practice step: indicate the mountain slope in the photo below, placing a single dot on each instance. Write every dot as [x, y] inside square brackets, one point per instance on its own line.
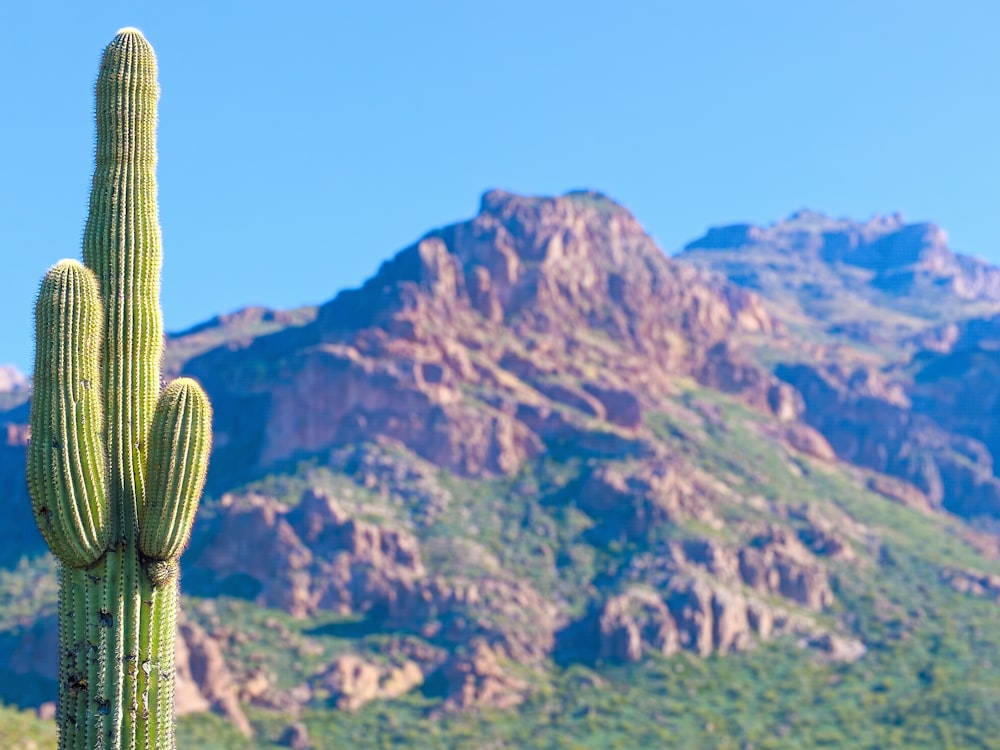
[537, 483]
[895, 351]
[458, 345]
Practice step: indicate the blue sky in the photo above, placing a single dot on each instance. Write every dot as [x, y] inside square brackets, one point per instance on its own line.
[303, 143]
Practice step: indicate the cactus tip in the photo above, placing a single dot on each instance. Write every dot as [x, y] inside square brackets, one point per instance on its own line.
[66, 263]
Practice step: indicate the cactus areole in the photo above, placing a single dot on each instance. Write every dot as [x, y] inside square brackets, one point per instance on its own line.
[116, 464]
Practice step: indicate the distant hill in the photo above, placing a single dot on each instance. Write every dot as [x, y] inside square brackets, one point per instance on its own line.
[893, 346]
[537, 483]
[876, 282]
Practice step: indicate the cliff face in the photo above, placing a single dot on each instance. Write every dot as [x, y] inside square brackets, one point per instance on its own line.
[897, 347]
[487, 340]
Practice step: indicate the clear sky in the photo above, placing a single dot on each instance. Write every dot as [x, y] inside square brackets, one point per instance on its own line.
[302, 143]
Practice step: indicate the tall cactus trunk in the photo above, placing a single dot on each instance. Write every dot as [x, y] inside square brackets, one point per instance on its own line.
[115, 467]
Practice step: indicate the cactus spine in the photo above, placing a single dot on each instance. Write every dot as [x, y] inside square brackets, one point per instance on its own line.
[115, 467]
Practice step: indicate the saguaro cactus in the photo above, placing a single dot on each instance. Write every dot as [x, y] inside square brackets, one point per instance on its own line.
[115, 466]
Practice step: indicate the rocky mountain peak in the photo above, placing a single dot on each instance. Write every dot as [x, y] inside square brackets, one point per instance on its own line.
[550, 264]
[536, 304]
[880, 281]
[881, 244]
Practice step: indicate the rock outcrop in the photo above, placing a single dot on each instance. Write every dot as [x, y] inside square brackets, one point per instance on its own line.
[776, 562]
[352, 682]
[477, 679]
[973, 583]
[695, 614]
[315, 557]
[702, 596]
[308, 558]
[485, 342]
[869, 420]
[627, 502]
[203, 679]
[905, 381]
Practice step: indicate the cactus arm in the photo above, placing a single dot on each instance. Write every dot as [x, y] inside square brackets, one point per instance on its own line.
[180, 441]
[65, 457]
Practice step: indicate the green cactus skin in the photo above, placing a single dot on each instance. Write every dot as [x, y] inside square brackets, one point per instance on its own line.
[178, 463]
[115, 467]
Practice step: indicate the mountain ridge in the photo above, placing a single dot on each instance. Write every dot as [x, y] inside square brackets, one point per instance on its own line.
[533, 448]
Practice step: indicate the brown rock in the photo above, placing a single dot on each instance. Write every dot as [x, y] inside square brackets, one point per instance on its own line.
[694, 613]
[256, 686]
[837, 648]
[869, 419]
[785, 402]
[972, 582]
[628, 501]
[730, 621]
[390, 398]
[400, 680]
[318, 518]
[805, 439]
[776, 562]
[311, 557]
[188, 698]
[200, 661]
[359, 567]
[507, 614]
[574, 397]
[631, 620]
[711, 555]
[14, 434]
[253, 542]
[714, 619]
[478, 680]
[761, 619]
[692, 610]
[820, 536]
[354, 682]
[900, 491]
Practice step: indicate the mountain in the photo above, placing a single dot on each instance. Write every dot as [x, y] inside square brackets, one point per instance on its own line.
[537, 483]
[483, 343]
[875, 283]
[898, 378]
